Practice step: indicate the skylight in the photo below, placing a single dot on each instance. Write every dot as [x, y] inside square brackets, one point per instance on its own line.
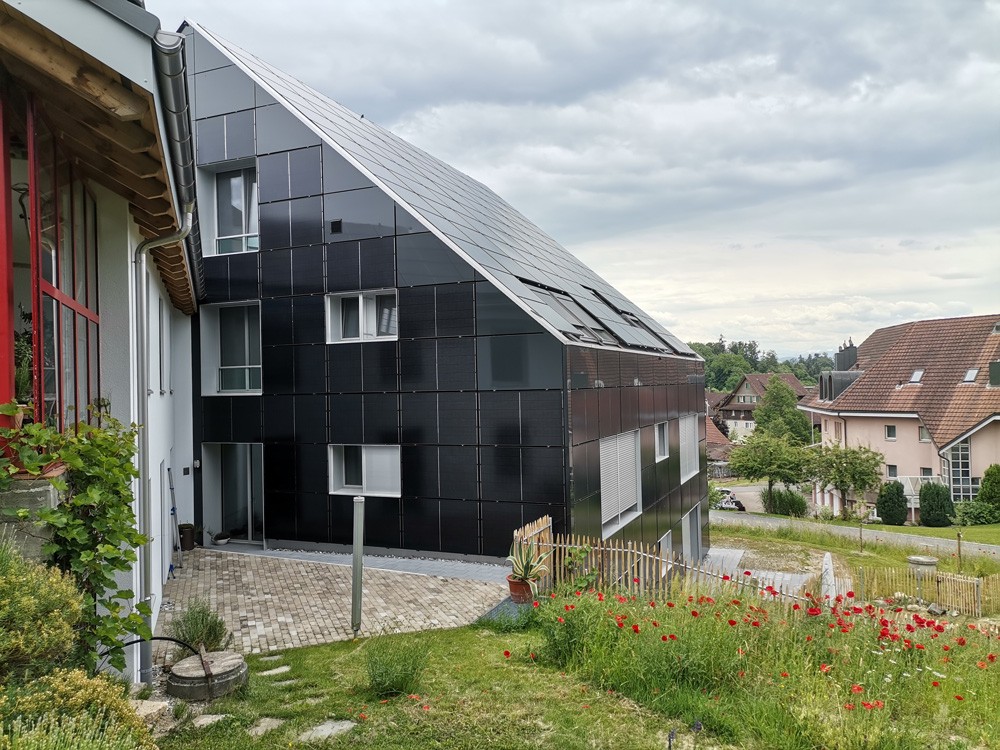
[970, 375]
[916, 376]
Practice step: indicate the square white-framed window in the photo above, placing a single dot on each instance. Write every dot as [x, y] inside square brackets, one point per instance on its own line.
[362, 316]
[621, 496]
[890, 432]
[662, 441]
[365, 470]
[891, 471]
[230, 349]
[690, 457]
[926, 472]
[923, 434]
[236, 212]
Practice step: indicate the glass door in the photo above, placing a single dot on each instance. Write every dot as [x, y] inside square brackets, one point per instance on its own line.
[242, 476]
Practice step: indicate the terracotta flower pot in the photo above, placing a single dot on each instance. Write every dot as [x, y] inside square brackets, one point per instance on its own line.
[520, 591]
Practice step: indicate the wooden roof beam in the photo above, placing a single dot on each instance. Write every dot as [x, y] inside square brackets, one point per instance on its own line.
[118, 180]
[87, 144]
[40, 53]
[127, 135]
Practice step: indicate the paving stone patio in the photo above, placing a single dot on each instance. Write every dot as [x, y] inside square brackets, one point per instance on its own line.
[272, 603]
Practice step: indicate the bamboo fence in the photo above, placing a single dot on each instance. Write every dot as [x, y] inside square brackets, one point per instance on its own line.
[639, 569]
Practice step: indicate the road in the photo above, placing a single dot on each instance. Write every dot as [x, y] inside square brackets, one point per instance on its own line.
[925, 544]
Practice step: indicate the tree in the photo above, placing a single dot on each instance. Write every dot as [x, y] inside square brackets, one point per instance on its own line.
[770, 457]
[777, 413]
[891, 504]
[989, 487]
[936, 507]
[847, 469]
[725, 371]
[749, 350]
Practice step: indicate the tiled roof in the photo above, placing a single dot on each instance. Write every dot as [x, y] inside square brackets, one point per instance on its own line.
[758, 385]
[945, 350]
[713, 435]
[714, 398]
[497, 240]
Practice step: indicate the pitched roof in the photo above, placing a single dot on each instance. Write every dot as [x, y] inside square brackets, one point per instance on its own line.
[482, 228]
[758, 385]
[713, 435]
[945, 349]
[714, 398]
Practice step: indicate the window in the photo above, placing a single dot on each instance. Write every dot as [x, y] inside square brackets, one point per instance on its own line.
[890, 432]
[662, 442]
[620, 495]
[748, 425]
[690, 458]
[926, 471]
[970, 375]
[587, 327]
[964, 486]
[838, 430]
[826, 425]
[365, 316]
[916, 376]
[365, 470]
[923, 434]
[891, 471]
[236, 211]
[230, 349]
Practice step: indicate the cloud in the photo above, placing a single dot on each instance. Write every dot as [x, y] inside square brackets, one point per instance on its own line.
[791, 173]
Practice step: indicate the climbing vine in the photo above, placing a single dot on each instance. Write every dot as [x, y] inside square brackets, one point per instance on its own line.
[93, 528]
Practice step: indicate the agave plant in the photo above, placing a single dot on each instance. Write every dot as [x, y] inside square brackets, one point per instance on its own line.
[527, 562]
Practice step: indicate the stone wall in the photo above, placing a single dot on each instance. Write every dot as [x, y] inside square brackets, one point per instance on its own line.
[32, 494]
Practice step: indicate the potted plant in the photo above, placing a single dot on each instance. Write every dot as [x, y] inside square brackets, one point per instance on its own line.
[528, 566]
[219, 538]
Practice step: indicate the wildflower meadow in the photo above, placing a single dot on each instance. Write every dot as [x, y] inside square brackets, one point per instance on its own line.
[760, 671]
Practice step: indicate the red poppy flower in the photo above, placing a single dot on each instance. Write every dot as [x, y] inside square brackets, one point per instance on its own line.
[813, 611]
[959, 698]
[981, 664]
[635, 580]
[506, 654]
[850, 594]
[621, 624]
[600, 597]
[732, 623]
[784, 674]
[796, 606]
[878, 704]
[991, 658]
[857, 689]
[849, 706]
[746, 572]
[534, 604]
[652, 604]
[755, 624]
[663, 637]
[960, 641]
[694, 613]
[725, 578]
[635, 628]
[673, 637]
[935, 684]
[808, 638]
[560, 619]
[670, 604]
[362, 717]
[427, 708]
[655, 624]
[825, 668]
[867, 705]
[533, 656]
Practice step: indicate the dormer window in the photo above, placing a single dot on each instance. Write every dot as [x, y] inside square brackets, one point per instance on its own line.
[970, 375]
[916, 376]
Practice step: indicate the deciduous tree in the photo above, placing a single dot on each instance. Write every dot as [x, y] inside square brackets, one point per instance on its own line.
[769, 457]
[847, 470]
[777, 413]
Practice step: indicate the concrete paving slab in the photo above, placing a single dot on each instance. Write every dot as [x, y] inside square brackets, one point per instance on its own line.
[326, 729]
[264, 726]
[205, 720]
[277, 670]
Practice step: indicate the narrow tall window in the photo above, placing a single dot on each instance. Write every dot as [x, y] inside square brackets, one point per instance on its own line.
[690, 458]
[662, 442]
[236, 211]
[891, 471]
[923, 434]
[239, 348]
[620, 489]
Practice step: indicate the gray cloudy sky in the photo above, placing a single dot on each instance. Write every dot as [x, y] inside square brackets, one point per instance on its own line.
[790, 172]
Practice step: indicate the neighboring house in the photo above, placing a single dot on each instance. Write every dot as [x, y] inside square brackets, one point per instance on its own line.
[737, 408]
[95, 163]
[377, 323]
[712, 401]
[719, 448]
[926, 395]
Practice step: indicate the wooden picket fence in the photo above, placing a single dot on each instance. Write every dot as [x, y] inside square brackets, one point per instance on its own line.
[965, 594]
[628, 567]
[640, 569]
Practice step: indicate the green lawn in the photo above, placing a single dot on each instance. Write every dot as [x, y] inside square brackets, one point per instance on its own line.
[470, 696]
[983, 534]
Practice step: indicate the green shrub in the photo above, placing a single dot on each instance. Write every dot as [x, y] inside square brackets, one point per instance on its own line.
[394, 664]
[989, 487]
[55, 732]
[199, 625]
[784, 502]
[71, 693]
[39, 609]
[891, 504]
[976, 513]
[936, 508]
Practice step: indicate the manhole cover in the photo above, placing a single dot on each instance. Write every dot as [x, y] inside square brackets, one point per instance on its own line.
[188, 679]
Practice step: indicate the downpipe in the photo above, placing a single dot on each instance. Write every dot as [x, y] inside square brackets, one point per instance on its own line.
[143, 392]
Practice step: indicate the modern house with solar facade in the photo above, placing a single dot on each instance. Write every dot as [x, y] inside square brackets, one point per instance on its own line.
[377, 323]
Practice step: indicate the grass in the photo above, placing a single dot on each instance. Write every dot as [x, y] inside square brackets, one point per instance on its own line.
[589, 671]
[470, 696]
[989, 534]
[875, 554]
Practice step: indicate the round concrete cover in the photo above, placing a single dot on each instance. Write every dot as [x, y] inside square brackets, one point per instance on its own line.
[187, 677]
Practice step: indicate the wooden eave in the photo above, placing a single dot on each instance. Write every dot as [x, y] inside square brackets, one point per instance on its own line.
[109, 129]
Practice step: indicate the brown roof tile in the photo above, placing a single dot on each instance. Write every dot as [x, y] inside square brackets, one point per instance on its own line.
[945, 350]
[713, 435]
